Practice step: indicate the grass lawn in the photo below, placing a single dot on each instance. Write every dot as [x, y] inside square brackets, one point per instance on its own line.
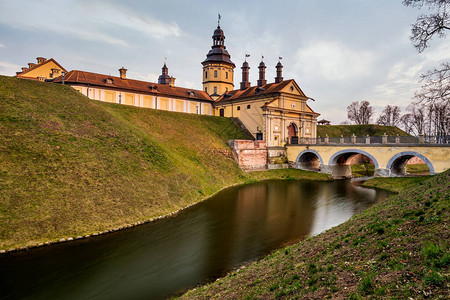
[358, 130]
[360, 170]
[395, 184]
[418, 168]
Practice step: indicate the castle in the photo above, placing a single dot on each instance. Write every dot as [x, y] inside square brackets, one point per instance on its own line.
[275, 112]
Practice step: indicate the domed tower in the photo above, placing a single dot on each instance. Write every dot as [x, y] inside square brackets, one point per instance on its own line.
[218, 69]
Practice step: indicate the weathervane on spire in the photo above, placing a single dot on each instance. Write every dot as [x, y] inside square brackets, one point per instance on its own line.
[165, 60]
[262, 57]
[246, 55]
[279, 58]
[218, 19]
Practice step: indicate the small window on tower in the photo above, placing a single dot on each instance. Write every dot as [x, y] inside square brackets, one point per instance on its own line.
[215, 73]
[238, 108]
[206, 74]
[215, 90]
[206, 90]
[248, 106]
[226, 75]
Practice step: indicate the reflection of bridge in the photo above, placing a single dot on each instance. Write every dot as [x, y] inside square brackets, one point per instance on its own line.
[388, 154]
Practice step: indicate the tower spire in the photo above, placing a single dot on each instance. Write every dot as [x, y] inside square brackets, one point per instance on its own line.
[262, 73]
[218, 69]
[245, 84]
[279, 68]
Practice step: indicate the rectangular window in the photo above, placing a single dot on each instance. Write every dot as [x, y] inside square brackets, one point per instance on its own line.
[215, 73]
[206, 74]
[248, 106]
[238, 108]
[215, 90]
[206, 90]
[226, 75]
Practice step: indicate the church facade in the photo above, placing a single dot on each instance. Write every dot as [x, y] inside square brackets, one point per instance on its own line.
[275, 112]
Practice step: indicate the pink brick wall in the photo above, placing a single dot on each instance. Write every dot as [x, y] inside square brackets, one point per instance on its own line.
[250, 155]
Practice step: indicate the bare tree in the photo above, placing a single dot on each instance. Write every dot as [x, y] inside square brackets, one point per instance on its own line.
[414, 121]
[360, 112]
[390, 116]
[441, 120]
[427, 26]
[436, 86]
[433, 100]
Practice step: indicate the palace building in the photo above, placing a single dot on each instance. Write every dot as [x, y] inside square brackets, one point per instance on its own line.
[121, 90]
[43, 70]
[275, 112]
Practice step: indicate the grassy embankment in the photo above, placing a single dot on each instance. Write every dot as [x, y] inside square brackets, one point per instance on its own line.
[358, 130]
[70, 166]
[395, 184]
[397, 249]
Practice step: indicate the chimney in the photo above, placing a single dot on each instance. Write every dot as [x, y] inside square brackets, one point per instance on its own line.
[55, 72]
[245, 84]
[279, 77]
[262, 74]
[123, 73]
[172, 81]
[40, 60]
[30, 65]
[24, 69]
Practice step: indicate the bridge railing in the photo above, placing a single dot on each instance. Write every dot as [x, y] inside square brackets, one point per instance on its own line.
[384, 139]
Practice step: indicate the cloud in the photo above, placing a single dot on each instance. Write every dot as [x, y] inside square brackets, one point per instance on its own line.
[145, 24]
[8, 69]
[2, 46]
[333, 61]
[99, 21]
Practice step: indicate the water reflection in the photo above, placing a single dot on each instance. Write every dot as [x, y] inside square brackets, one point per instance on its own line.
[152, 261]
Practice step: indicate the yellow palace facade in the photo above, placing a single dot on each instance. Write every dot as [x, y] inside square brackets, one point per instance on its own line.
[162, 95]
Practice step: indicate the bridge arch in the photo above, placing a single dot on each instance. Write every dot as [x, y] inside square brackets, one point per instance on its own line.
[334, 158]
[309, 160]
[396, 165]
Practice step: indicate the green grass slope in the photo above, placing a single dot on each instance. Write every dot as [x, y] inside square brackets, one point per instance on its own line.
[71, 166]
[358, 130]
[397, 249]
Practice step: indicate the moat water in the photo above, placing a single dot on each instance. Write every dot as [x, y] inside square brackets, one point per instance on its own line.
[167, 257]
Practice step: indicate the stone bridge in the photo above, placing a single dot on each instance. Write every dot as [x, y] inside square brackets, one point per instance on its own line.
[389, 154]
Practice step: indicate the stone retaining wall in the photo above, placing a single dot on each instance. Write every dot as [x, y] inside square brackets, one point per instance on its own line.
[250, 155]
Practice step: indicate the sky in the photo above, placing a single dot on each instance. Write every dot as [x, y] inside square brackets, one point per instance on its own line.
[338, 51]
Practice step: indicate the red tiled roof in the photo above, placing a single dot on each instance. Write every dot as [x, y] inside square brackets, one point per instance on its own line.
[95, 79]
[254, 90]
[39, 65]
